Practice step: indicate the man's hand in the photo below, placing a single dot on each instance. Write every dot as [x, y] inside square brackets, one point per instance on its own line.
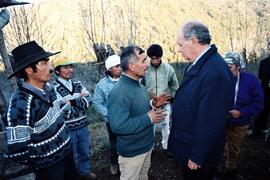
[158, 101]
[235, 113]
[84, 93]
[192, 165]
[68, 102]
[156, 115]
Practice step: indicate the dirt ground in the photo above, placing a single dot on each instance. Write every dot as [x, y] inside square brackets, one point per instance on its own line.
[254, 162]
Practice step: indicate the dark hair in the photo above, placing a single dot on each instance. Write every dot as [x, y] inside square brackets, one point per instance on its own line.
[108, 73]
[155, 50]
[198, 30]
[59, 67]
[22, 74]
[128, 56]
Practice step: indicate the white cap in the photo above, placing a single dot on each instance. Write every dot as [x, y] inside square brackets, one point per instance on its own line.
[112, 61]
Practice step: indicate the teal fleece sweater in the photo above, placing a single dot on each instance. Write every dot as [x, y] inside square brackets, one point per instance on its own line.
[127, 113]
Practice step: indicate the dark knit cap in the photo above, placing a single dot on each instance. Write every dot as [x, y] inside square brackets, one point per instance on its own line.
[155, 50]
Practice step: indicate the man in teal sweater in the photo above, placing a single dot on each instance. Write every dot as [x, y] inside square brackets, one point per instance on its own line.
[130, 116]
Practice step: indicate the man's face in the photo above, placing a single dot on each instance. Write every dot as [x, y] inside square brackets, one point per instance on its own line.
[116, 71]
[66, 72]
[43, 72]
[234, 69]
[186, 47]
[155, 61]
[140, 66]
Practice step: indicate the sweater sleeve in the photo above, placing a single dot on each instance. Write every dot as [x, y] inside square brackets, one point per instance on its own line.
[18, 128]
[82, 102]
[120, 117]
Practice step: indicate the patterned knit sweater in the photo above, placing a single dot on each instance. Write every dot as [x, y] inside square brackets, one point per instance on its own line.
[36, 132]
[77, 116]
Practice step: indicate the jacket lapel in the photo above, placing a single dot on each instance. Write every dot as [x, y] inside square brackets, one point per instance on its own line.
[188, 75]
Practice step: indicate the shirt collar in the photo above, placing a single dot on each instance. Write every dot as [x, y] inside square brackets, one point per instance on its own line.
[113, 80]
[200, 55]
[44, 94]
[129, 76]
[66, 83]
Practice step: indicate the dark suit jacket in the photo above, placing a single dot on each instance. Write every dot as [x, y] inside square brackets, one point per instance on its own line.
[200, 111]
[264, 76]
[264, 73]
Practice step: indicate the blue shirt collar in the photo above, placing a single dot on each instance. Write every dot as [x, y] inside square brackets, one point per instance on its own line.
[44, 94]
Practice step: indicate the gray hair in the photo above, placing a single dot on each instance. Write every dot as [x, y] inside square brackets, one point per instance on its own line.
[129, 55]
[198, 30]
[233, 57]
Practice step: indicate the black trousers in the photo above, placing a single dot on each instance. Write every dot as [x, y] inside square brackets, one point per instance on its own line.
[199, 174]
[62, 170]
[261, 122]
[113, 150]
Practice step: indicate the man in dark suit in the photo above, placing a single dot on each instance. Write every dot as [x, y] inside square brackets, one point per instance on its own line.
[201, 104]
[264, 76]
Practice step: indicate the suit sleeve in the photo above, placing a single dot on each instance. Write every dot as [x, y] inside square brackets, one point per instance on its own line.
[215, 100]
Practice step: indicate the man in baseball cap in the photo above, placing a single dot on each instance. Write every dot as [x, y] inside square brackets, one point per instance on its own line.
[74, 93]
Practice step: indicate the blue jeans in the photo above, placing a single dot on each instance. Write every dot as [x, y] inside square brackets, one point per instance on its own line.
[81, 149]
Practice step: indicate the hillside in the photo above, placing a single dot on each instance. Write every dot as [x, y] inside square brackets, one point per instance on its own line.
[73, 26]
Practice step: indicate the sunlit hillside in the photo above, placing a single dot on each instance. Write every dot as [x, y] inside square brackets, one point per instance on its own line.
[74, 25]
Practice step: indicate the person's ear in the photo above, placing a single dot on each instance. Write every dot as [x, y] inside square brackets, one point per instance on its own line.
[29, 70]
[57, 72]
[131, 66]
[194, 41]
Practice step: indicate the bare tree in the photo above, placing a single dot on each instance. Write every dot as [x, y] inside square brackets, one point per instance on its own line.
[6, 60]
[28, 24]
[4, 18]
[94, 25]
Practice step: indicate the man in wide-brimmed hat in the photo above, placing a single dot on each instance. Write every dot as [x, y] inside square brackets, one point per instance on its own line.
[36, 132]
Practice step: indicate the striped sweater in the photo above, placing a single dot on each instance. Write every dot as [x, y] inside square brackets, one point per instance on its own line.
[77, 115]
[36, 132]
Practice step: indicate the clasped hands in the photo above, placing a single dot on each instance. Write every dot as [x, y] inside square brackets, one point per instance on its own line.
[157, 114]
